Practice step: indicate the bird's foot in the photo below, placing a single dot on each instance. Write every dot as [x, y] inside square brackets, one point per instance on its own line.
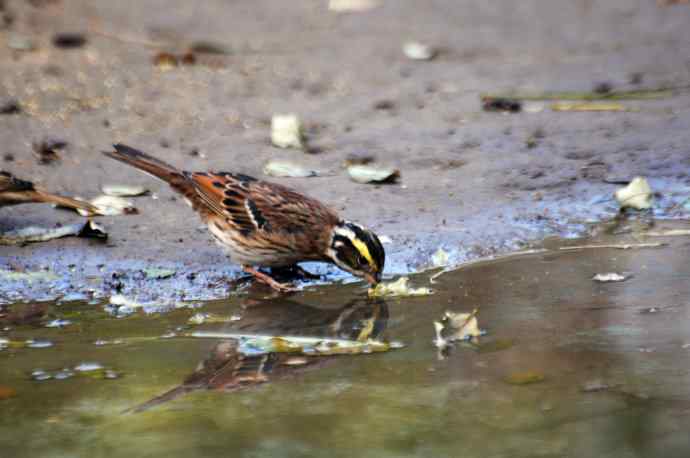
[268, 280]
[293, 272]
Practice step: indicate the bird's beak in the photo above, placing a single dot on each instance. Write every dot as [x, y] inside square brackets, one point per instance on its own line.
[373, 280]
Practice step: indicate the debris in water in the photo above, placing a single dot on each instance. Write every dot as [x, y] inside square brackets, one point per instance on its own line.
[595, 385]
[7, 392]
[31, 343]
[455, 327]
[611, 277]
[286, 131]
[63, 374]
[206, 318]
[256, 344]
[88, 367]
[40, 375]
[398, 288]
[524, 378]
[58, 323]
[121, 190]
[418, 51]
[288, 169]
[351, 6]
[637, 195]
[371, 174]
[111, 206]
[32, 234]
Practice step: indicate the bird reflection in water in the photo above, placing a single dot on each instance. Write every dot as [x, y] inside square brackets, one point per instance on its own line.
[228, 369]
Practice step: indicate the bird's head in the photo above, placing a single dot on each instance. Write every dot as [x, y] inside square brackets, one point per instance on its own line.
[357, 250]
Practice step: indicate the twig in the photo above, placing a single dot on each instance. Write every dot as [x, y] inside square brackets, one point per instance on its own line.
[640, 94]
[624, 246]
[433, 278]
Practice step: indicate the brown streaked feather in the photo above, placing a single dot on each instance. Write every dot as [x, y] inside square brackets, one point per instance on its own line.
[260, 222]
[266, 212]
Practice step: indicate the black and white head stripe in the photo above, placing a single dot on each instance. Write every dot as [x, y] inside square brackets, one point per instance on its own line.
[363, 241]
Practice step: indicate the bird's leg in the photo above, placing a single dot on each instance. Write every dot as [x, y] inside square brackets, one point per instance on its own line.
[267, 279]
[294, 271]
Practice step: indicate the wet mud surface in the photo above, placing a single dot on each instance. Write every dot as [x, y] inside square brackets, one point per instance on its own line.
[568, 366]
[473, 182]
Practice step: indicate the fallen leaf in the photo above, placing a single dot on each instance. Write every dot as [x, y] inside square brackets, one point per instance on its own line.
[286, 131]
[418, 51]
[637, 195]
[398, 288]
[371, 174]
[462, 326]
[121, 190]
[111, 206]
[288, 169]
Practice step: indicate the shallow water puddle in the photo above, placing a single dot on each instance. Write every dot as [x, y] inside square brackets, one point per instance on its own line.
[569, 367]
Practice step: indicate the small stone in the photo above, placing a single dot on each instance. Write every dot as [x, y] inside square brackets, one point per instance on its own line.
[69, 40]
[418, 51]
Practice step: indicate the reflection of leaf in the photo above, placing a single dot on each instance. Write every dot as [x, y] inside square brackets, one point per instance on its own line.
[610, 277]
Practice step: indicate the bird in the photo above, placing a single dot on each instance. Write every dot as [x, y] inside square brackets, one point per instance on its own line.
[263, 224]
[15, 191]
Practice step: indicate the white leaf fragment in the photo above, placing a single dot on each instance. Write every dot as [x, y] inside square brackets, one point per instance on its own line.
[418, 51]
[286, 131]
[288, 169]
[122, 190]
[611, 277]
[372, 174]
[637, 195]
[110, 206]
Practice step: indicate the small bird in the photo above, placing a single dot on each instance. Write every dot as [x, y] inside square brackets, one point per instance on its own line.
[266, 224]
[14, 191]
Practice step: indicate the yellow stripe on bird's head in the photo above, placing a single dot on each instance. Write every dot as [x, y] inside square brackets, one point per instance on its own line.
[357, 250]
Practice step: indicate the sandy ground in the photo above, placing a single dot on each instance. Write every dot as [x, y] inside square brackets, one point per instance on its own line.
[470, 183]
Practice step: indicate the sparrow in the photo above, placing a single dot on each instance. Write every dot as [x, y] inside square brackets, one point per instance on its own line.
[14, 191]
[262, 224]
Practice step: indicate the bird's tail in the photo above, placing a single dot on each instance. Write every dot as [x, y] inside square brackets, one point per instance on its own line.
[145, 163]
[62, 201]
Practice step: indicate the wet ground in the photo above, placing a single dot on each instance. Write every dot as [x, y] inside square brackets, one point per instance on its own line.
[473, 182]
[607, 364]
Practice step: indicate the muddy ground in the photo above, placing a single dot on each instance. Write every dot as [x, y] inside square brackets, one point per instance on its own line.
[470, 181]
